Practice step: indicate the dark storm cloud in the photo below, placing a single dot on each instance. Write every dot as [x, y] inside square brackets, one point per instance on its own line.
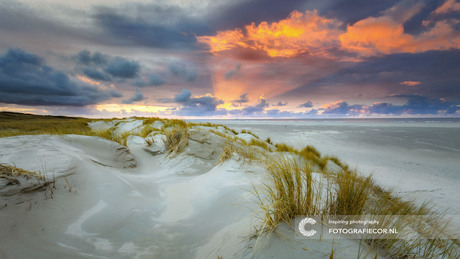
[22, 23]
[342, 108]
[245, 12]
[183, 70]
[436, 70]
[205, 105]
[26, 79]
[85, 57]
[385, 108]
[183, 97]
[115, 94]
[152, 25]
[280, 104]
[415, 105]
[137, 97]
[258, 108]
[103, 67]
[243, 99]
[97, 74]
[308, 104]
[123, 68]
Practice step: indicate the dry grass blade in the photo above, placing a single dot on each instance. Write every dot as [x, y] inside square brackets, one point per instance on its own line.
[176, 139]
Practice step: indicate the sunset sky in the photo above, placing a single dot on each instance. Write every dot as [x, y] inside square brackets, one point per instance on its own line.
[231, 59]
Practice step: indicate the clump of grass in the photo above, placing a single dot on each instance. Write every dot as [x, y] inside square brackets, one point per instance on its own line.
[242, 151]
[110, 135]
[176, 139]
[312, 154]
[220, 134]
[311, 150]
[281, 147]
[227, 153]
[174, 123]
[147, 130]
[13, 174]
[291, 191]
[247, 153]
[269, 141]
[150, 120]
[351, 194]
[10, 173]
[232, 130]
[259, 143]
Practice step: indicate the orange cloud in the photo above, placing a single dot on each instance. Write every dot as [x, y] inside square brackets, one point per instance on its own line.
[447, 7]
[224, 40]
[319, 36]
[410, 83]
[299, 33]
[371, 36]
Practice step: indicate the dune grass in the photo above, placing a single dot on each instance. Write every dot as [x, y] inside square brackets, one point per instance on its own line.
[14, 124]
[289, 192]
[293, 189]
[259, 143]
[176, 139]
[351, 194]
[241, 151]
[281, 147]
[10, 172]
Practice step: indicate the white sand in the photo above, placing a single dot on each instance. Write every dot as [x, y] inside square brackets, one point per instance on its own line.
[162, 208]
[139, 203]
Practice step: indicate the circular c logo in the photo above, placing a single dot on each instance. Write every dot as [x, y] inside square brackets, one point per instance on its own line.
[303, 231]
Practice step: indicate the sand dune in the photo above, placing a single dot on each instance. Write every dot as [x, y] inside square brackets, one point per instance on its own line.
[141, 201]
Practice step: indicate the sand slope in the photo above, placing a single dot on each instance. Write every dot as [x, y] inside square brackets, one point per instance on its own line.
[110, 201]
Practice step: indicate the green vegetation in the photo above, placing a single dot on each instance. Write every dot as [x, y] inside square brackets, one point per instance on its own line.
[14, 124]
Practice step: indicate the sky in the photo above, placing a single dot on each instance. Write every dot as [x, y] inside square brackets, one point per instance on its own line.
[231, 59]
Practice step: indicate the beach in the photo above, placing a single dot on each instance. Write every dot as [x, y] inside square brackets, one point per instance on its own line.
[103, 199]
[417, 158]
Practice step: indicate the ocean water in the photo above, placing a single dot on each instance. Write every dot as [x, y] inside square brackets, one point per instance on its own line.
[417, 158]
